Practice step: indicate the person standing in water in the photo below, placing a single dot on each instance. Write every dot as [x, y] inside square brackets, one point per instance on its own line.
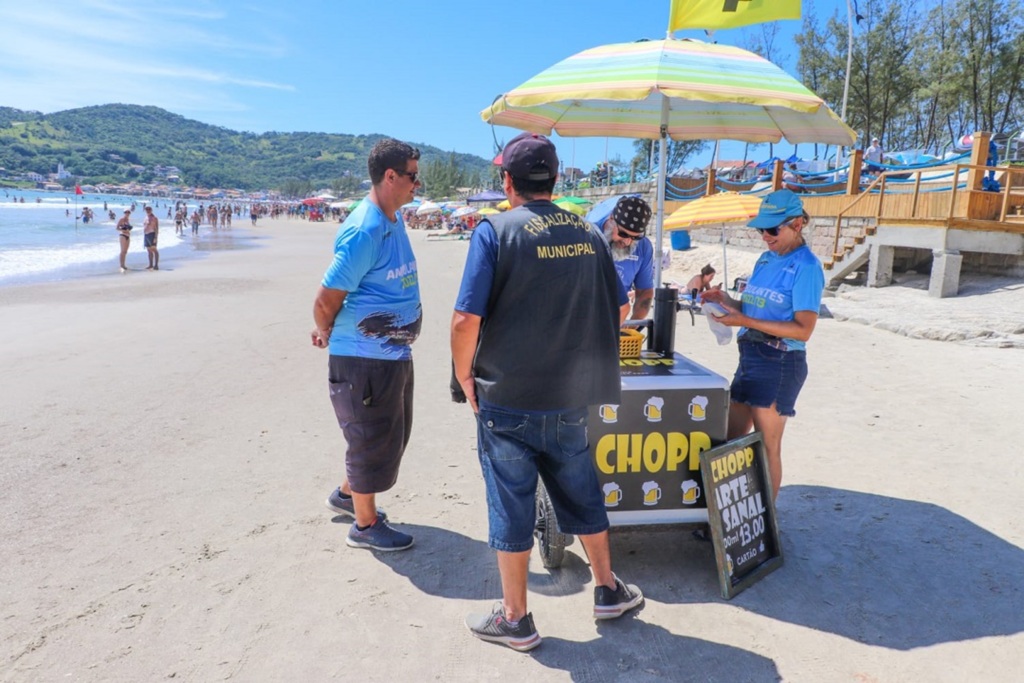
[150, 229]
[124, 229]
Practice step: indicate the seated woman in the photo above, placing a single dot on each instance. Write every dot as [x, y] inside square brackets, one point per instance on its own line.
[701, 281]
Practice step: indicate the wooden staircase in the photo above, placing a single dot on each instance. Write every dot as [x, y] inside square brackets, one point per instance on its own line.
[851, 257]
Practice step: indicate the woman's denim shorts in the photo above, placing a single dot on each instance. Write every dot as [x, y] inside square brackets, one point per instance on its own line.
[767, 376]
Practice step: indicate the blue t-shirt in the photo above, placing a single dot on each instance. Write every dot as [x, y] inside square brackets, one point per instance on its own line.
[478, 277]
[782, 285]
[374, 263]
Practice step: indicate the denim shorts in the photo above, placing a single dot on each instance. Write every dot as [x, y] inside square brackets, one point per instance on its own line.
[767, 376]
[515, 447]
[372, 400]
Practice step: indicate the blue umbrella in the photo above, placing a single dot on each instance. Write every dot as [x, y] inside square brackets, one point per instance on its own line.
[600, 211]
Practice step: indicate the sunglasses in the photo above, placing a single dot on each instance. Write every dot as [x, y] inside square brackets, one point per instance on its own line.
[626, 236]
[774, 232]
[413, 176]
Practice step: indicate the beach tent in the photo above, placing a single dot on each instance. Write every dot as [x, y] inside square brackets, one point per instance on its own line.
[486, 196]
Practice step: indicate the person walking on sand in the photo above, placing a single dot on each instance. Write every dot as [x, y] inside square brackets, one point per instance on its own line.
[150, 228]
[124, 229]
[538, 277]
[368, 313]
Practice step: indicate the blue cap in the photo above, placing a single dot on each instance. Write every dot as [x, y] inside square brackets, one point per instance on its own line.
[777, 208]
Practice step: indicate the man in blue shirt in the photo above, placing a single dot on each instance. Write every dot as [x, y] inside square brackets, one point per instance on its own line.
[367, 311]
[625, 228]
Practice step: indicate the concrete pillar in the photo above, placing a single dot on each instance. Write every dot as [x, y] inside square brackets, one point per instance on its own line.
[880, 265]
[945, 280]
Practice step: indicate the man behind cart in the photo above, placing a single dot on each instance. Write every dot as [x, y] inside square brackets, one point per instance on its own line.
[535, 341]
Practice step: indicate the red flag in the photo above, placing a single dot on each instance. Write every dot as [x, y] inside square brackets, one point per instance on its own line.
[78, 190]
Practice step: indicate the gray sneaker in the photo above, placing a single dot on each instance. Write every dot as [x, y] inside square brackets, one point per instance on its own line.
[343, 505]
[494, 628]
[609, 604]
[378, 536]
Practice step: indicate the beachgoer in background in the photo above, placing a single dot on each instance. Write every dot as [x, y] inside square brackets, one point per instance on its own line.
[790, 180]
[873, 157]
[151, 227]
[179, 222]
[196, 220]
[124, 229]
[370, 367]
[701, 282]
[625, 228]
[776, 316]
[531, 409]
[252, 214]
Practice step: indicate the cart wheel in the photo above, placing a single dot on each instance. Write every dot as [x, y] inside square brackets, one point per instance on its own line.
[550, 540]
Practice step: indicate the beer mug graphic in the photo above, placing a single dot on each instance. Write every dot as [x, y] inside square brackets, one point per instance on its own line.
[612, 494]
[691, 491]
[652, 493]
[698, 408]
[609, 412]
[728, 563]
[653, 408]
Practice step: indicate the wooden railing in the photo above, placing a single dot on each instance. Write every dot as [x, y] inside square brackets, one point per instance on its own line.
[975, 173]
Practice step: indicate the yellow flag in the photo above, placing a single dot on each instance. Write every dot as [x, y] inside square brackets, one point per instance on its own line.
[716, 14]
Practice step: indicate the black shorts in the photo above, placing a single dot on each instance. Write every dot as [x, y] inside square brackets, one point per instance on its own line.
[150, 240]
[372, 400]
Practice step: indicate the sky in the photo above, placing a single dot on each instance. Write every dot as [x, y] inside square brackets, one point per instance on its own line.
[417, 71]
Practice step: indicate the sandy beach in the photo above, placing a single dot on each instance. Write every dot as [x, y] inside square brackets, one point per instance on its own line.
[169, 443]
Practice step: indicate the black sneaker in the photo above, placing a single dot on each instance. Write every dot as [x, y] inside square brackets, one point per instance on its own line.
[494, 627]
[610, 604]
[343, 505]
[378, 536]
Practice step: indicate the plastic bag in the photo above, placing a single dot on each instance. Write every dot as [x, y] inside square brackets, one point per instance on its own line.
[723, 333]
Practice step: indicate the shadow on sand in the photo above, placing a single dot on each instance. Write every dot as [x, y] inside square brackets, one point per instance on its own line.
[450, 565]
[882, 571]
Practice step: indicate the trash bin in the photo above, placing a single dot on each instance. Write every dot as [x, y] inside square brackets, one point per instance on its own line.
[680, 240]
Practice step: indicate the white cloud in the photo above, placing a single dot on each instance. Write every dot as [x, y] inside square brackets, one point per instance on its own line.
[189, 56]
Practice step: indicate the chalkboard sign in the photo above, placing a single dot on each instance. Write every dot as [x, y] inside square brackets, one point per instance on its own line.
[741, 513]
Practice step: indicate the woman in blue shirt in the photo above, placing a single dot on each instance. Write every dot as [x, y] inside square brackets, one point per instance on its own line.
[776, 316]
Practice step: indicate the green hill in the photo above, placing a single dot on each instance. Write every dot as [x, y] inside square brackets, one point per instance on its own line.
[102, 143]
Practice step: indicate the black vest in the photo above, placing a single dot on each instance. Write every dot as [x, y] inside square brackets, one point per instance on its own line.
[550, 338]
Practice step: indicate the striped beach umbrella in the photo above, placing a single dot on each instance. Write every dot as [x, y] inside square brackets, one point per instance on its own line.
[659, 89]
[724, 207]
[464, 211]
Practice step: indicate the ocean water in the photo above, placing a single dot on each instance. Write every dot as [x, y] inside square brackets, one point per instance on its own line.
[40, 241]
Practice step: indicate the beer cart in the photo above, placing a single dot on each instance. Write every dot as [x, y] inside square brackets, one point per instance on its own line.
[646, 448]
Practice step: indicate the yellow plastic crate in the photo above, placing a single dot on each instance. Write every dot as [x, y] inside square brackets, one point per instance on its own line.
[630, 343]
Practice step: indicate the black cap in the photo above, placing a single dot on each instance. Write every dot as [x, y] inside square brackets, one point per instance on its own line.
[632, 213]
[529, 156]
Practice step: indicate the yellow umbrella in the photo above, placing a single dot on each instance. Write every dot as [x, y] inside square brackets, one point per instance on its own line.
[571, 207]
[503, 205]
[488, 211]
[724, 207]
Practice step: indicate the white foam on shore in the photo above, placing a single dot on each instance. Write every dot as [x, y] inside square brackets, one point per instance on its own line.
[18, 263]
